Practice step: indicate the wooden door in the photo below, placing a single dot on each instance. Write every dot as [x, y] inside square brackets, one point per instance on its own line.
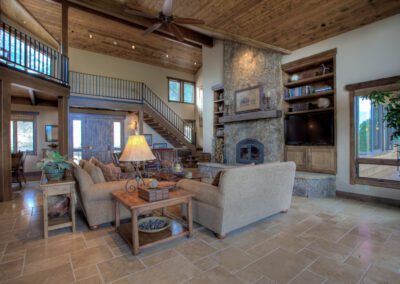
[298, 155]
[95, 136]
[322, 159]
[98, 139]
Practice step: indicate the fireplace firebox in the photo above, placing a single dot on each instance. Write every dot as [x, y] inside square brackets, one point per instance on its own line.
[249, 151]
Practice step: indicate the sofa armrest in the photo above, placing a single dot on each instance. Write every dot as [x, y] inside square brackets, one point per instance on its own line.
[203, 192]
[103, 190]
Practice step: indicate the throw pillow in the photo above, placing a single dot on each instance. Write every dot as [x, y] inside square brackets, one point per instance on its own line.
[217, 178]
[110, 171]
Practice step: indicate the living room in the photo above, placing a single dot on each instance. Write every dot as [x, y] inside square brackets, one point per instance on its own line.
[211, 142]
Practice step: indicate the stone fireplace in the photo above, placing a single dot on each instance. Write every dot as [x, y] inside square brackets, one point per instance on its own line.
[249, 151]
[261, 140]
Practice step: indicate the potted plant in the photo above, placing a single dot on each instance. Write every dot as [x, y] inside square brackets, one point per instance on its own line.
[54, 165]
[391, 102]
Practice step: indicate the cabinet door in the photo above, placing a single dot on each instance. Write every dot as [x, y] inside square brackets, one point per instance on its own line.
[297, 155]
[322, 159]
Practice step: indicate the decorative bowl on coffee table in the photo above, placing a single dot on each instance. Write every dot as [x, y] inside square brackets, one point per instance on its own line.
[154, 224]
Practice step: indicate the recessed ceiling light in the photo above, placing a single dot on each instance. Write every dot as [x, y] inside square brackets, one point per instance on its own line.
[115, 43]
[133, 46]
[195, 63]
[90, 36]
[166, 55]
[24, 22]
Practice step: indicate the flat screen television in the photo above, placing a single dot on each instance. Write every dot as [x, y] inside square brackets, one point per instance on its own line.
[310, 129]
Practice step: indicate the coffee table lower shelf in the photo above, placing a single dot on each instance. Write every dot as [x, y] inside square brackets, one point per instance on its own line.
[177, 230]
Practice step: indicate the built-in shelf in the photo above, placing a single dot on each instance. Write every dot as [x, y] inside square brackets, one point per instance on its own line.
[219, 101]
[309, 111]
[309, 80]
[218, 112]
[251, 116]
[311, 96]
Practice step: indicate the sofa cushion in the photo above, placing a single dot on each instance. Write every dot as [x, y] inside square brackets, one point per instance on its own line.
[83, 178]
[110, 171]
[217, 177]
[203, 192]
[95, 172]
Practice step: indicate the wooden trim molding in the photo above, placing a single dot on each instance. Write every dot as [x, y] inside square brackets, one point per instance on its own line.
[356, 161]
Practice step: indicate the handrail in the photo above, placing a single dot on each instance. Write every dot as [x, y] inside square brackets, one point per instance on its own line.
[23, 52]
[157, 104]
[105, 87]
[114, 88]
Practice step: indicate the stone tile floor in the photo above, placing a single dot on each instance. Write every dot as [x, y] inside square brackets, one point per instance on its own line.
[317, 241]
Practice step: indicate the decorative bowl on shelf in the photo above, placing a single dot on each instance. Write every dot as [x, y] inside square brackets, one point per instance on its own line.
[154, 224]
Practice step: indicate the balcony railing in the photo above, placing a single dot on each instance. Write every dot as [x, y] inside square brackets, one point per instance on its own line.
[131, 91]
[22, 52]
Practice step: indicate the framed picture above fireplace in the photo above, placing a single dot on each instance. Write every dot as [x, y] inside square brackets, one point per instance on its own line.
[249, 99]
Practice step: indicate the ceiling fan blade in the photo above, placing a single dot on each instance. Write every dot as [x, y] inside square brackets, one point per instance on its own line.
[167, 8]
[176, 31]
[152, 28]
[139, 13]
[188, 21]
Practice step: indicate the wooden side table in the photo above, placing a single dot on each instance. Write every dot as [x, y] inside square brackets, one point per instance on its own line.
[53, 188]
[130, 231]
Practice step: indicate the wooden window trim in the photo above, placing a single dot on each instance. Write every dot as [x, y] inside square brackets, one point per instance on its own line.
[181, 90]
[356, 161]
[15, 130]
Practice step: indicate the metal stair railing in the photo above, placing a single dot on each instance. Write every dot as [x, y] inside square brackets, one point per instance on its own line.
[114, 88]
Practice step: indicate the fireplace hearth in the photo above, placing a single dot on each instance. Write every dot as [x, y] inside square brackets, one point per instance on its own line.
[249, 151]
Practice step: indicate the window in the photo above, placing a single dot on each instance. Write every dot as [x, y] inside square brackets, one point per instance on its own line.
[117, 136]
[77, 139]
[374, 154]
[14, 50]
[181, 91]
[23, 133]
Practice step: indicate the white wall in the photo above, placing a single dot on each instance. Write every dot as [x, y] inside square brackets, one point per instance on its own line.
[129, 130]
[212, 74]
[153, 76]
[199, 129]
[46, 115]
[368, 53]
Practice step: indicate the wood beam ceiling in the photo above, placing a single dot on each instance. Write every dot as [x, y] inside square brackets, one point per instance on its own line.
[115, 13]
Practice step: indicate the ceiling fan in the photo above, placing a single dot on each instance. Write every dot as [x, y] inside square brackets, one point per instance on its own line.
[166, 18]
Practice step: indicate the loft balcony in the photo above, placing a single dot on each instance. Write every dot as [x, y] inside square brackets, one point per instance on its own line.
[24, 53]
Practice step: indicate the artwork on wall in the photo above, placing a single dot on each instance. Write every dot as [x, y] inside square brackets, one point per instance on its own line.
[159, 145]
[51, 133]
[149, 139]
[249, 99]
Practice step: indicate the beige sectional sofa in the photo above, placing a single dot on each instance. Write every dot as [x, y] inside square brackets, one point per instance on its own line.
[244, 195]
[95, 198]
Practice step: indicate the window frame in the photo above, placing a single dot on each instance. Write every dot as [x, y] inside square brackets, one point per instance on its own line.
[355, 161]
[182, 90]
[15, 130]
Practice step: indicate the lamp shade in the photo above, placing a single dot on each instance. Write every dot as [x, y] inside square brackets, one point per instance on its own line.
[137, 150]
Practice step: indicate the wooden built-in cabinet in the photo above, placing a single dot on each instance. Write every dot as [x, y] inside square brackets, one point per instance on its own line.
[310, 88]
[320, 159]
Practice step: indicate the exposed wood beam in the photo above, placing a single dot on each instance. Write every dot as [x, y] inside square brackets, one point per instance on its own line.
[32, 97]
[115, 13]
[17, 13]
[241, 39]
[64, 27]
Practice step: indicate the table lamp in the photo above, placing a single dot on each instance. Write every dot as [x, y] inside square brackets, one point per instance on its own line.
[136, 150]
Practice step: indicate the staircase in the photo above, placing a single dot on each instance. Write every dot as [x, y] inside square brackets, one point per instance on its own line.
[156, 113]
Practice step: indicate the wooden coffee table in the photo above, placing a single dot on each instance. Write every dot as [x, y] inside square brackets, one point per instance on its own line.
[130, 231]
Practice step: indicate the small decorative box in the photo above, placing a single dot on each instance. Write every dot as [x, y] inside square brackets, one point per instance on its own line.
[161, 192]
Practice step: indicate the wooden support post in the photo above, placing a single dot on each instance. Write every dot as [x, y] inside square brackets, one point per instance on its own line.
[64, 27]
[5, 141]
[63, 124]
[141, 122]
